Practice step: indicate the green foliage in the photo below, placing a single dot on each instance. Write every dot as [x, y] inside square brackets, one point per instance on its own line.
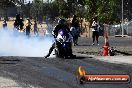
[37, 9]
[104, 9]
[62, 8]
[108, 11]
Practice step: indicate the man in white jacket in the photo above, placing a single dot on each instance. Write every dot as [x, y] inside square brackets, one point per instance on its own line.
[95, 30]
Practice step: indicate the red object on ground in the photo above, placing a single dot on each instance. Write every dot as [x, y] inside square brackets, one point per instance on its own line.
[105, 51]
[106, 46]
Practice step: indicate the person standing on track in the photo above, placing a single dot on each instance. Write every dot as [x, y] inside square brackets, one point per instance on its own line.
[75, 29]
[95, 30]
[35, 28]
[18, 24]
[28, 27]
[5, 25]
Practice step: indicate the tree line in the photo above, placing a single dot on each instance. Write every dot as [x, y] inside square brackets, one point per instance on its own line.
[108, 11]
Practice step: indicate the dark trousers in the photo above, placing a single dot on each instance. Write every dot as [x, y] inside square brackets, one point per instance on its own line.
[75, 39]
[95, 35]
[51, 49]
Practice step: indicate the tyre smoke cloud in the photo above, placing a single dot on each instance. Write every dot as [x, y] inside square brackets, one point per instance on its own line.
[17, 44]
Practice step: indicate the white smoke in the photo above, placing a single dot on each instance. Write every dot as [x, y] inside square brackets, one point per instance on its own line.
[15, 44]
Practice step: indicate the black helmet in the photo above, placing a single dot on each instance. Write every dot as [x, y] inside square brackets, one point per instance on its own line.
[61, 21]
[74, 16]
[17, 16]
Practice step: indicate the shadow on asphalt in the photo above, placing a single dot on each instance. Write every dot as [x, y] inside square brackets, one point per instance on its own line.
[16, 60]
[79, 57]
[124, 53]
[7, 63]
[83, 45]
[4, 60]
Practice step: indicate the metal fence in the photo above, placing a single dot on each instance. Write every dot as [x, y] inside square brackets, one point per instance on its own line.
[115, 30]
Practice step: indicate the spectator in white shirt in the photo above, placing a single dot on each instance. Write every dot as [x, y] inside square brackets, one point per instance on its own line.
[95, 30]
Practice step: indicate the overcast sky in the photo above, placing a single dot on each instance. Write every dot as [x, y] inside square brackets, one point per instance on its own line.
[32, 0]
[43, 0]
[28, 0]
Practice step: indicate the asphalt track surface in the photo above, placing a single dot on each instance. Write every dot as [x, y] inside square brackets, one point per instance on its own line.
[39, 72]
[58, 73]
[85, 46]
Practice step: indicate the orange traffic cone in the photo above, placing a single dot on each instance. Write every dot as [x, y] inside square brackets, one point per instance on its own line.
[106, 46]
